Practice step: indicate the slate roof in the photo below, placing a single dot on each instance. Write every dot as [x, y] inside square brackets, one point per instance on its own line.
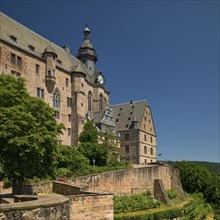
[125, 113]
[26, 39]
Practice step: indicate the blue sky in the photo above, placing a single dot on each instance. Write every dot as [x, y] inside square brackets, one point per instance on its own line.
[164, 51]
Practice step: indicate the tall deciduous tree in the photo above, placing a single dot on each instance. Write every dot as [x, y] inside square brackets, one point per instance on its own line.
[28, 132]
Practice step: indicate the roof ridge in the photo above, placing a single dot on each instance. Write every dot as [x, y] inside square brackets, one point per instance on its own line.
[143, 100]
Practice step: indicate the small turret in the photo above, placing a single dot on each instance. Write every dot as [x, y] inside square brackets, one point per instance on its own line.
[50, 56]
[86, 53]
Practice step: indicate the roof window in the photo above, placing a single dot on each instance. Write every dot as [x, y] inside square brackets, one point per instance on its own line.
[32, 48]
[59, 62]
[13, 38]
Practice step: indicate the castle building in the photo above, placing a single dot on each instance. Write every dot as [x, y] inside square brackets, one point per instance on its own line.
[75, 88]
[135, 124]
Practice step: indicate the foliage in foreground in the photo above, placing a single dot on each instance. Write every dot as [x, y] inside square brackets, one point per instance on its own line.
[28, 132]
[196, 178]
[160, 215]
[130, 203]
[197, 208]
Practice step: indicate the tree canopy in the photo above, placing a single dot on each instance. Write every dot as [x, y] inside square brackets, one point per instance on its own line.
[98, 147]
[28, 131]
[197, 178]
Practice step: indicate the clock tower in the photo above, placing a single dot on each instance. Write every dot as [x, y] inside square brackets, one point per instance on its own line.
[86, 53]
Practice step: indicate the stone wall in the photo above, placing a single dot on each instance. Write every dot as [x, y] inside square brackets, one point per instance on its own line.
[36, 188]
[159, 191]
[65, 189]
[126, 181]
[176, 183]
[86, 205]
[44, 208]
[93, 206]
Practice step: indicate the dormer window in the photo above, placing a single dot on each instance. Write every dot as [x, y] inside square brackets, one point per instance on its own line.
[13, 38]
[32, 48]
[59, 62]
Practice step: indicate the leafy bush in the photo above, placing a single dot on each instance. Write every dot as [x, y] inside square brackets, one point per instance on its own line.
[133, 203]
[167, 214]
[172, 194]
[6, 183]
[198, 208]
[70, 162]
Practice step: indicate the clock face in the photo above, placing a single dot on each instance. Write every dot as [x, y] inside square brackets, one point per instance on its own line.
[100, 79]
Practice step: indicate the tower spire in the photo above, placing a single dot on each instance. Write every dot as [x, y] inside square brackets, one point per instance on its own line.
[87, 53]
[86, 33]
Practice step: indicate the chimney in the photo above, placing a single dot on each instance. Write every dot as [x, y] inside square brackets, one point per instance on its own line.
[67, 48]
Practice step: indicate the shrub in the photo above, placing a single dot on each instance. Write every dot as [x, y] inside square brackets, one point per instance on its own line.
[133, 203]
[172, 194]
[6, 183]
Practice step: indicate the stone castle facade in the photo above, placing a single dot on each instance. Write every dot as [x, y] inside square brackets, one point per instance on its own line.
[76, 89]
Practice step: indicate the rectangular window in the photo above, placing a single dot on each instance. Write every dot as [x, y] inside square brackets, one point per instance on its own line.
[19, 61]
[127, 150]
[69, 117]
[151, 151]
[49, 72]
[145, 137]
[69, 131]
[145, 149]
[67, 82]
[127, 136]
[37, 68]
[69, 102]
[151, 139]
[13, 58]
[14, 73]
[40, 93]
[16, 60]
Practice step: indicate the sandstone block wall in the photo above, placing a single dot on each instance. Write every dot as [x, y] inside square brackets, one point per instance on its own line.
[45, 208]
[126, 181]
[65, 189]
[97, 207]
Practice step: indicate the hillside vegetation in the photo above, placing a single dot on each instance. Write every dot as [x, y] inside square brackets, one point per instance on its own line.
[211, 166]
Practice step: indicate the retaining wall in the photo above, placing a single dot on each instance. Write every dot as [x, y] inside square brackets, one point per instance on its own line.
[44, 208]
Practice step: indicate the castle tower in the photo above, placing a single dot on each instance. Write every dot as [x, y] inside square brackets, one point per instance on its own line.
[86, 53]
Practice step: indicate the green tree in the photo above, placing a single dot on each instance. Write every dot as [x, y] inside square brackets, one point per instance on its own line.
[89, 134]
[28, 132]
[96, 153]
[197, 178]
[90, 147]
[70, 161]
[110, 142]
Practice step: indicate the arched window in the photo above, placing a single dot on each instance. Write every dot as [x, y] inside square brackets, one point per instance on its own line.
[100, 102]
[56, 98]
[90, 101]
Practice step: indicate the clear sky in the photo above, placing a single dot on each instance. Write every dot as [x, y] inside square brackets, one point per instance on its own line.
[166, 52]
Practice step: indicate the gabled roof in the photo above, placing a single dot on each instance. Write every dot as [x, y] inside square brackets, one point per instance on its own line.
[127, 113]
